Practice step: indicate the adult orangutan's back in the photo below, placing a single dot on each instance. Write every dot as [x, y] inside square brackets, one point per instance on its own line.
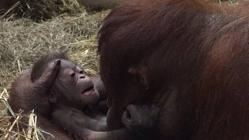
[188, 57]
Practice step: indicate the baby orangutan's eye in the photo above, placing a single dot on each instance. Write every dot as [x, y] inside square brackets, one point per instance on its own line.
[81, 72]
[72, 74]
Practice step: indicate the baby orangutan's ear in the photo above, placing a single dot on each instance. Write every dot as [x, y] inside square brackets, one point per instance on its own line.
[141, 73]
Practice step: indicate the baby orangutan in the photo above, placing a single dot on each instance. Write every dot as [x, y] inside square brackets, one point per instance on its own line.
[68, 101]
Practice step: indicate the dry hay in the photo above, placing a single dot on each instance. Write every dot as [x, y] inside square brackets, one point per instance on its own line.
[12, 126]
[23, 41]
[38, 10]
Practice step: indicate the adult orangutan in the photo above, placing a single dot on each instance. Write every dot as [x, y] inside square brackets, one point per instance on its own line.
[188, 57]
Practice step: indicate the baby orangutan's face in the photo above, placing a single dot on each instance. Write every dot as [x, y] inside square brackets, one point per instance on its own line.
[75, 85]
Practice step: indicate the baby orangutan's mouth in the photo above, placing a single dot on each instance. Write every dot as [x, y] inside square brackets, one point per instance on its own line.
[88, 90]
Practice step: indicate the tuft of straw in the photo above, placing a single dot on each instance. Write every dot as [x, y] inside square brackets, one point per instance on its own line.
[39, 10]
[12, 130]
